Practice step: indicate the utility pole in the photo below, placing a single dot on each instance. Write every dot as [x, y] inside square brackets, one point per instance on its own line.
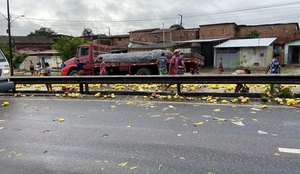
[181, 16]
[108, 31]
[9, 40]
[164, 38]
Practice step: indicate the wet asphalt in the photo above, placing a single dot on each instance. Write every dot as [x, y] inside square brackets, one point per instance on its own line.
[133, 135]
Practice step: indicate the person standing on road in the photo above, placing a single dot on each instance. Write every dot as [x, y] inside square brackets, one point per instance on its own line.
[80, 68]
[240, 86]
[162, 62]
[221, 67]
[274, 66]
[31, 68]
[62, 65]
[181, 65]
[47, 72]
[173, 66]
[102, 66]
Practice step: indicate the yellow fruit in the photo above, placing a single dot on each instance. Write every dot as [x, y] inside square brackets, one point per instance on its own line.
[264, 106]
[244, 100]
[98, 95]
[57, 95]
[113, 96]
[5, 104]
[60, 119]
[224, 101]
[234, 100]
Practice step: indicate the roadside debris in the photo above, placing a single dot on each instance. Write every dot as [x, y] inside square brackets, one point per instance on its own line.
[219, 119]
[59, 120]
[262, 132]
[238, 123]
[5, 104]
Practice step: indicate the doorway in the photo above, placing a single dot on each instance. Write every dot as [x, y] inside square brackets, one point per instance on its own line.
[295, 55]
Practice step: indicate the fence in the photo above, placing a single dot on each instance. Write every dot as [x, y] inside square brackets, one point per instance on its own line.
[83, 81]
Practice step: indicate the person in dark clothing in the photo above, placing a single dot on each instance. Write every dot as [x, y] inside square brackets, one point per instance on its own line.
[240, 86]
[80, 68]
[181, 65]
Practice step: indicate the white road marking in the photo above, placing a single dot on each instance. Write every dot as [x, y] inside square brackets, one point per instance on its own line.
[288, 150]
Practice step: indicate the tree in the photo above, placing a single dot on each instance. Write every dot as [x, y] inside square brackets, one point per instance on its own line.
[177, 27]
[43, 31]
[253, 34]
[18, 59]
[66, 46]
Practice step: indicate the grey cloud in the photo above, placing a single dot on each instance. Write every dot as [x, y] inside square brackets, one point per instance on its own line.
[94, 13]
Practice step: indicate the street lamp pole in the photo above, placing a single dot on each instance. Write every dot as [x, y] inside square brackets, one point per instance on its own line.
[9, 41]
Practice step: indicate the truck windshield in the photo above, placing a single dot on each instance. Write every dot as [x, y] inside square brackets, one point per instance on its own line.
[83, 51]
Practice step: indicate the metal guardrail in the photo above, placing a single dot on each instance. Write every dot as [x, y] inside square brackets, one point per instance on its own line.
[83, 81]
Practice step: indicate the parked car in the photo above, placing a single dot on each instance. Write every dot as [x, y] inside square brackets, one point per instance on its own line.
[5, 83]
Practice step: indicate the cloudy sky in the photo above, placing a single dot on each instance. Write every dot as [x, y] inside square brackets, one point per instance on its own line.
[72, 16]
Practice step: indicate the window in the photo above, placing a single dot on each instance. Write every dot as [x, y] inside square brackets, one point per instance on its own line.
[83, 51]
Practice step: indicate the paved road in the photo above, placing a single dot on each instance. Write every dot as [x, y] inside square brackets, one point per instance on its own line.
[131, 135]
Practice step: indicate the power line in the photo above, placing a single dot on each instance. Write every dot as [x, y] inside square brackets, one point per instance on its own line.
[167, 17]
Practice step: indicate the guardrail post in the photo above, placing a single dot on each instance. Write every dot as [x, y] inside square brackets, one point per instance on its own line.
[178, 88]
[87, 89]
[81, 88]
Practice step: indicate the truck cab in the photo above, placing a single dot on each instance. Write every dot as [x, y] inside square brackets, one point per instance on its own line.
[5, 83]
[86, 54]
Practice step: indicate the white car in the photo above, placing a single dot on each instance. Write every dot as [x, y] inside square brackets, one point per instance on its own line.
[5, 83]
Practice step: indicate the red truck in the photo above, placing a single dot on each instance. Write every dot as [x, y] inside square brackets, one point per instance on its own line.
[136, 63]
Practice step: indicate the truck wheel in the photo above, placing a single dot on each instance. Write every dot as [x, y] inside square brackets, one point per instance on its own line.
[72, 73]
[143, 71]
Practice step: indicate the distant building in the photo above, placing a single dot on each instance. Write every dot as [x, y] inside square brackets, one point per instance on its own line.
[245, 52]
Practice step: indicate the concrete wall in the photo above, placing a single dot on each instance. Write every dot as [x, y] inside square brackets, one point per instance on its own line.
[256, 57]
[249, 57]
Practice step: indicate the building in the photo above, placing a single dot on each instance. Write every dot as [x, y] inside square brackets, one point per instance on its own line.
[245, 52]
[49, 56]
[119, 43]
[292, 52]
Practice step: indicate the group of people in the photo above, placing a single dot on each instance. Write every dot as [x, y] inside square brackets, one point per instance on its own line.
[273, 68]
[40, 70]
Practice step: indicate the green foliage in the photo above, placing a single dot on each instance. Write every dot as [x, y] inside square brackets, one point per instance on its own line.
[253, 34]
[43, 31]
[17, 58]
[264, 99]
[285, 92]
[238, 64]
[66, 46]
[5, 50]
[177, 27]
[277, 90]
